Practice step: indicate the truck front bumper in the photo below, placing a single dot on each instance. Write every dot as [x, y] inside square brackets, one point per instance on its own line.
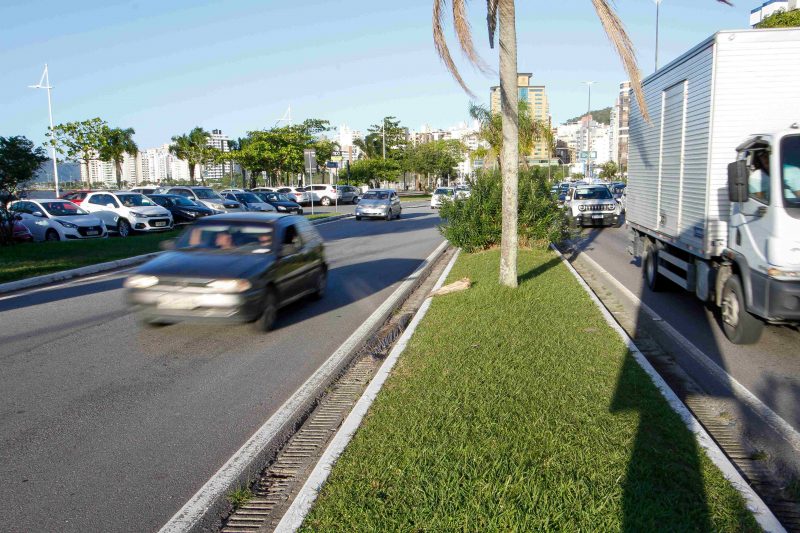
[780, 299]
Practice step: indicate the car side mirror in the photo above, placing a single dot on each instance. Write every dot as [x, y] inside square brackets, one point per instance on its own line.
[38, 214]
[737, 181]
[167, 245]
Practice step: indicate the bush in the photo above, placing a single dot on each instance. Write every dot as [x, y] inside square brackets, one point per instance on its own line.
[475, 223]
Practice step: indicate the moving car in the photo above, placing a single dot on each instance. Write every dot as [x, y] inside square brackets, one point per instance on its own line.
[298, 194]
[592, 205]
[76, 197]
[19, 232]
[58, 220]
[182, 209]
[440, 194]
[238, 267]
[208, 197]
[379, 203]
[348, 193]
[125, 212]
[280, 202]
[249, 201]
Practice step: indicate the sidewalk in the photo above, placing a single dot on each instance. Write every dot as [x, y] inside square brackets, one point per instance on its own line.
[522, 410]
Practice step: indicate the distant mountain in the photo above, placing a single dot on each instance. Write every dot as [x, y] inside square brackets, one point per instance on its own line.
[599, 115]
[67, 171]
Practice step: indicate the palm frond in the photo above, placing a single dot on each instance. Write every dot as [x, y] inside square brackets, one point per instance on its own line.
[440, 43]
[464, 34]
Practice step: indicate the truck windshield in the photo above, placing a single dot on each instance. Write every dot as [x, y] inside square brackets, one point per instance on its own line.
[790, 170]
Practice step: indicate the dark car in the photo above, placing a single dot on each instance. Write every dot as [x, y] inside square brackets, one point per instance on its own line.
[237, 267]
[280, 202]
[19, 232]
[183, 210]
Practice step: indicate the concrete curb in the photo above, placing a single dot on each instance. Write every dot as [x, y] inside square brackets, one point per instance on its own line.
[208, 505]
[294, 516]
[763, 515]
[64, 275]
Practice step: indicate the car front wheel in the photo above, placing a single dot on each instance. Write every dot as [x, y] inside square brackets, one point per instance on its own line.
[51, 235]
[123, 228]
[270, 313]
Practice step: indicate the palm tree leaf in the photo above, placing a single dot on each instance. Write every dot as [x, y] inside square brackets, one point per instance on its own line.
[619, 38]
[491, 19]
[464, 34]
[441, 44]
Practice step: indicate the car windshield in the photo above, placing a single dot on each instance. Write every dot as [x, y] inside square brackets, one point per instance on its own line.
[207, 194]
[181, 201]
[445, 192]
[62, 209]
[134, 200]
[247, 197]
[227, 237]
[592, 193]
[375, 195]
[790, 170]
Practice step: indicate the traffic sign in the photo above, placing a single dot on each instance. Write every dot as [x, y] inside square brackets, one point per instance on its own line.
[336, 158]
[332, 164]
[585, 154]
[310, 159]
[336, 153]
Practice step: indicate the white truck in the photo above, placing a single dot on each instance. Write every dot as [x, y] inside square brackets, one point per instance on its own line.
[713, 198]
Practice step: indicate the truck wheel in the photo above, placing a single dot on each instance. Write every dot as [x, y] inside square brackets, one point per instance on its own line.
[655, 281]
[739, 326]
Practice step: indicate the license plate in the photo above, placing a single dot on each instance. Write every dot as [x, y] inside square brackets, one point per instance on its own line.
[177, 302]
[597, 216]
[159, 224]
[92, 233]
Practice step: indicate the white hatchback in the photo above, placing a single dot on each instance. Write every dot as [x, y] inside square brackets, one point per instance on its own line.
[58, 220]
[126, 212]
[440, 195]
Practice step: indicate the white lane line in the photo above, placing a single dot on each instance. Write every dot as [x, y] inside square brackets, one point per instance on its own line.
[763, 515]
[294, 516]
[773, 419]
[227, 477]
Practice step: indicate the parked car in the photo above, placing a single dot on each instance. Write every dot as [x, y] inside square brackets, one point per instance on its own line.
[224, 191]
[298, 194]
[280, 202]
[322, 194]
[147, 191]
[440, 194]
[238, 267]
[263, 189]
[379, 203]
[593, 205]
[182, 209]
[208, 197]
[125, 212]
[249, 201]
[76, 197]
[463, 191]
[19, 231]
[58, 220]
[348, 193]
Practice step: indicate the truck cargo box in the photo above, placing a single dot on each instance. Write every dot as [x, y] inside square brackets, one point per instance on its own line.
[702, 106]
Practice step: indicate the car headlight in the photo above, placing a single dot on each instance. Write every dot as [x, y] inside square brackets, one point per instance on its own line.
[139, 281]
[582, 207]
[281, 208]
[67, 224]
[137, 214]
[191, 214]
[611, 207]
[229, 285]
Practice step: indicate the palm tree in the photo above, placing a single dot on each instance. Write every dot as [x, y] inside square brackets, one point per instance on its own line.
[503, 11]
[531, 130]
[116, 143]
[192, 148]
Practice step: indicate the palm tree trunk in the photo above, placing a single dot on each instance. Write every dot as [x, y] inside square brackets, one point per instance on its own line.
[191, 173]
[118, 164]
[510, 157]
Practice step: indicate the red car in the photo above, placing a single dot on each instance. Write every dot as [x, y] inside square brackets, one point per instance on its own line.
[19, 232]
[76, 197]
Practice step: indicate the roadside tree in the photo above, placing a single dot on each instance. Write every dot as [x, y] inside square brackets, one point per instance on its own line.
[80, 141]
[116, 143]
[608, 171]
[19, 161]
[191, 147]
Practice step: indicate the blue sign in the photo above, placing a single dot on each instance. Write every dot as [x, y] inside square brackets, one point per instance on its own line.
[332, 164]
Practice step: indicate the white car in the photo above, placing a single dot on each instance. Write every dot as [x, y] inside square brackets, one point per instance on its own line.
[323, 194]
[249, 201]
[58, 220]
[296, 194]
[463, 191]
[125, 212]
[441, 194]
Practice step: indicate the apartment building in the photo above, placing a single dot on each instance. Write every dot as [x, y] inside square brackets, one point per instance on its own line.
[536, 97]
[619, 125]
[219, 141]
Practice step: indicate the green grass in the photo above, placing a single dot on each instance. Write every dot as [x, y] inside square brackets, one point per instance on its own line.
[27, 260]
[240, 497]
[415, 197]
[521, 410]
[315, 216]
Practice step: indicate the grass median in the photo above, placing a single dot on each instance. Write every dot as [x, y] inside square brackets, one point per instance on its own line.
[415, 197]
[521, 410]
[27, 260]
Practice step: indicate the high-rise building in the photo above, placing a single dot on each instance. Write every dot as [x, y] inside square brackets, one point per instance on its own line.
[350, 152]
[619, 125]
[219, 141]
[536, 97]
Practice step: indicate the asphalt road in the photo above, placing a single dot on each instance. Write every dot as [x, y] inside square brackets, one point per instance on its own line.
[108, 427]
[770, 369]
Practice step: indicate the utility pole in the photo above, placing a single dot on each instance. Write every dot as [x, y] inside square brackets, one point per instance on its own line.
[588, 166]
[383, 134]
[44, 83]
[658, 5]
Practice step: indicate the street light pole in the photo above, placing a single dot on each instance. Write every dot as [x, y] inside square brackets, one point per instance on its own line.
[383, 134]
[588, 166]
[45, 79]
[658, 5]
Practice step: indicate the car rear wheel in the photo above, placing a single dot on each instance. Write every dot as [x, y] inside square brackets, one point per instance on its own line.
[270, 313]
[739, 326]
[358, 217]
[355, 199]
[325, 201]
[399, 213]
[51, 235]
[123, 228]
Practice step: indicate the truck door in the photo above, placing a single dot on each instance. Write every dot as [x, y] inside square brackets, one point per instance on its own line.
[671, 161]
[750, 220]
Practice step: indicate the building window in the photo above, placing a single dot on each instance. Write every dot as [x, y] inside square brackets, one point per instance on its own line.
[523, 94]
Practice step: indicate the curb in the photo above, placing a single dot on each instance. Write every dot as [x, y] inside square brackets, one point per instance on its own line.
[64, 275]
[294, 516]
[209, 504]
[763, 515]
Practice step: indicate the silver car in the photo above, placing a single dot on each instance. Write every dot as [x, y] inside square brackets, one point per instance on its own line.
[379, 203]
[348, 193]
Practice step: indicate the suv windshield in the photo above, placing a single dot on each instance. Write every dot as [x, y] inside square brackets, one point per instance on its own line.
[227, 237]
[134, 200]
[446, 192]
[207, 194]
[374, 195]
[62, 209]
[593, 193]
[790, 170]
[247, 197]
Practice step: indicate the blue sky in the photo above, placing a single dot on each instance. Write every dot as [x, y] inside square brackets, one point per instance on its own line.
[164, 67]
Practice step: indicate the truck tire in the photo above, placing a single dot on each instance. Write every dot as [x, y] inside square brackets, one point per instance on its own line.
[655, 281]
[739, 326]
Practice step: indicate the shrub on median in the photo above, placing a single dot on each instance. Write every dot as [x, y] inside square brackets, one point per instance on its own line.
[475, 223]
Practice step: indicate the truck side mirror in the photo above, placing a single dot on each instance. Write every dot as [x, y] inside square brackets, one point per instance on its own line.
[737, 181]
